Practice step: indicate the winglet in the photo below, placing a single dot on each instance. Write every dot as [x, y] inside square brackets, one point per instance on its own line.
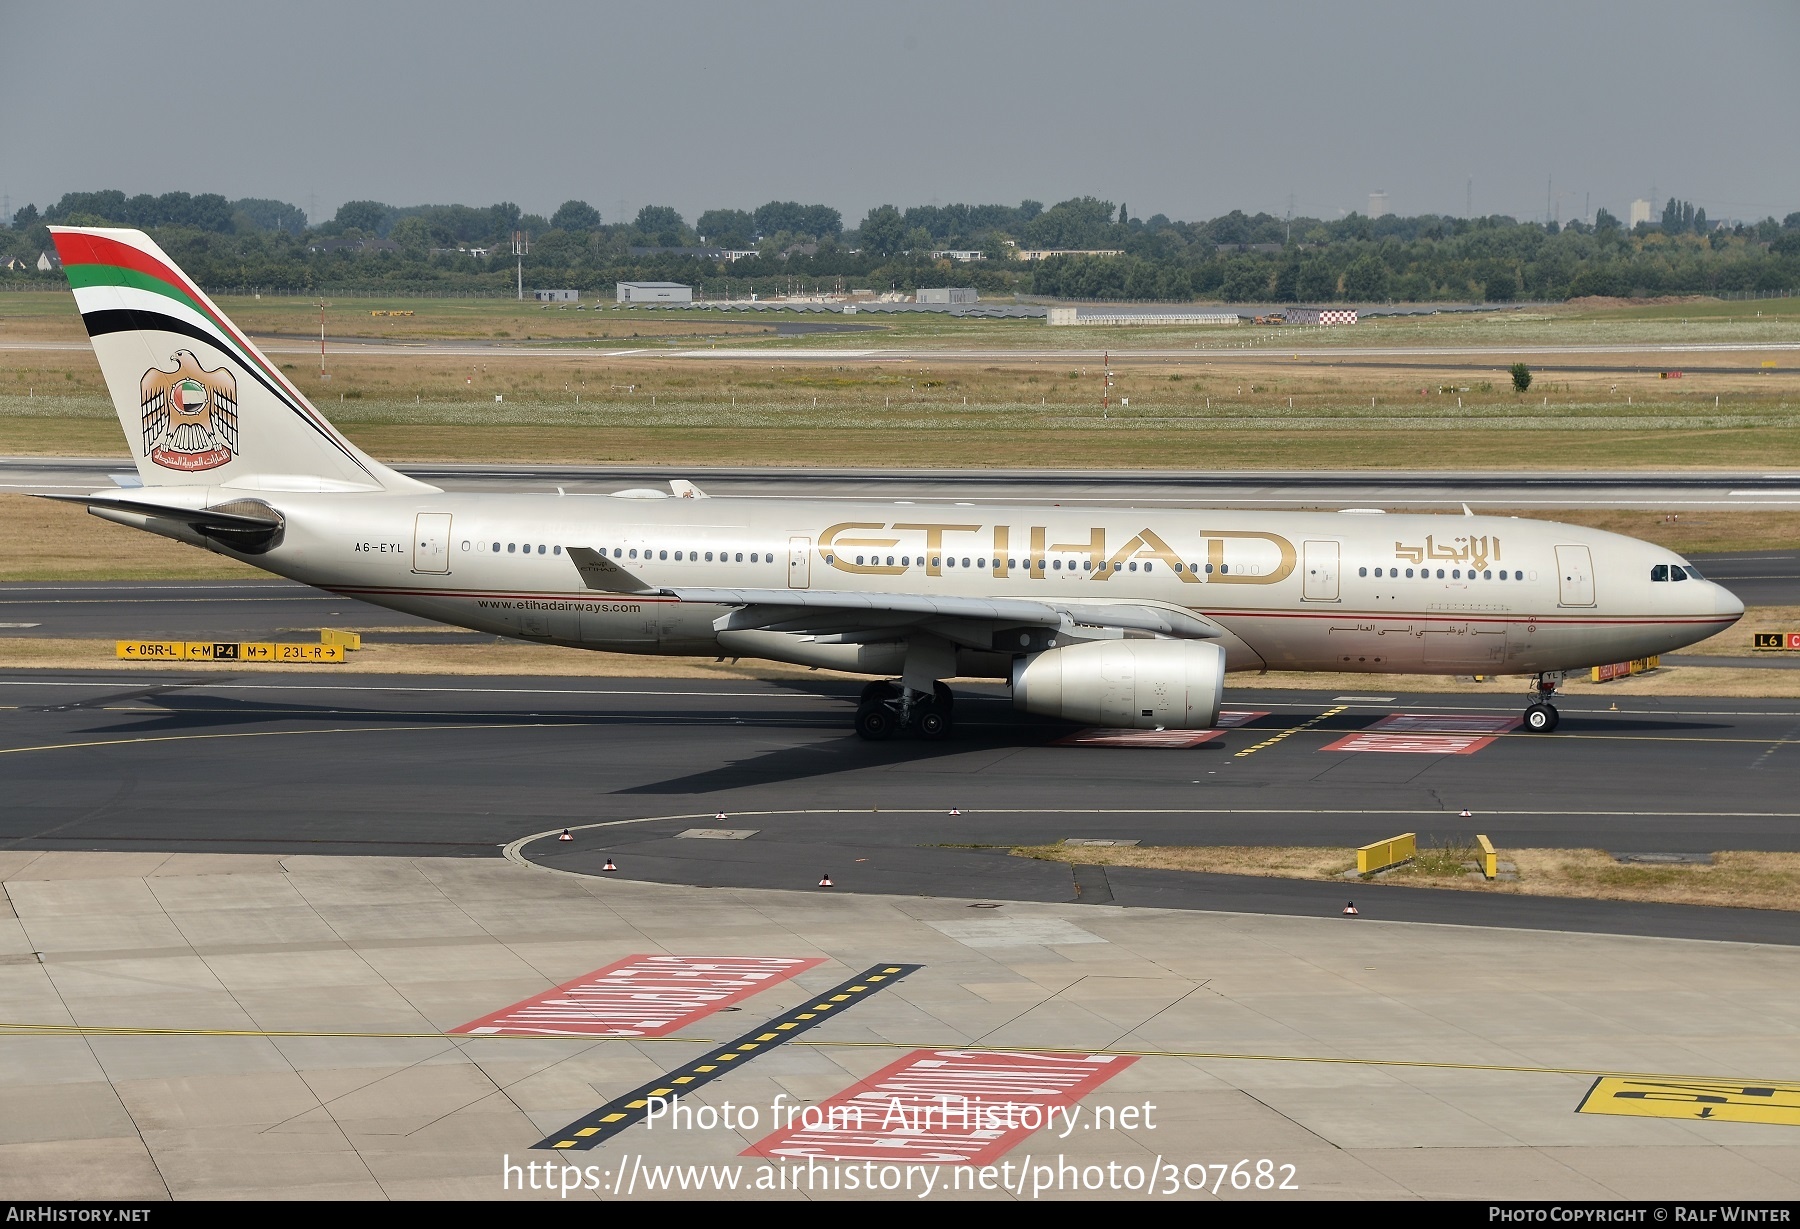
[684, 489]
[602, 574]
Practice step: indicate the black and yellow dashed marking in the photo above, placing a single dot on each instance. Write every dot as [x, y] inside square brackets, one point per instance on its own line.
[634, 1106]
[1304, 725]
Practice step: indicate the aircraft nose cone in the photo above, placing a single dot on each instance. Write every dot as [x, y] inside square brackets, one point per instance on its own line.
[1726, 602]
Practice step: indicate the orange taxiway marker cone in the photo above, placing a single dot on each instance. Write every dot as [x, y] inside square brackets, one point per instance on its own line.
[566, 836]
[1350, 909]
[609, 864]
[1465, 814]
[954, 811]
[721, 815]
[824, 881]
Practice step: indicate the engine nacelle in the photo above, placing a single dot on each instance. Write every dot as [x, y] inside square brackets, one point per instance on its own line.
[1126, 684]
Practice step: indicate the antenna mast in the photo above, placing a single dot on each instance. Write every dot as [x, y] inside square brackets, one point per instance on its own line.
[521, 249]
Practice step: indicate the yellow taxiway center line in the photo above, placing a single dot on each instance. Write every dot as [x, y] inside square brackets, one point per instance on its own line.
[1270, 742]
[392, 729]
[77, 1030]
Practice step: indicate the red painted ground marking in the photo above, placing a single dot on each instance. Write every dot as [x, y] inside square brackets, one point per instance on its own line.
[1413, 744]
[641, 996]
[1446, 723]
[1230, 718]
[1136, 738]
[954, 1107]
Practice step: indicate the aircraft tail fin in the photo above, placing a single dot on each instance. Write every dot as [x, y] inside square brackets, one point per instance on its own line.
[200, 405]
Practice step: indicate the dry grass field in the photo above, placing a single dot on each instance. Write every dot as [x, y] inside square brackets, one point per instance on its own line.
[1734, 879]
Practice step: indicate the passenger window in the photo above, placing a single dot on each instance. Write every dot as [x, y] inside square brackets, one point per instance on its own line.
[662, 554]
[496, 548]
[1012, 563]
[1132, 566]
[511, 547]
[1178, 567]
[1209, 569]
[541, 549]
[1087, 565]
[740, 557]
[1487, 576]
[1224, 568]
[1148, 566]
[934, 561]
[634, 552]
[1440, 574]
[1409, 573]
[1362, 571]
[1455, 573]
[709, 556]
[1056, 565]
[890, 561]
[859, 560]
[965, 561]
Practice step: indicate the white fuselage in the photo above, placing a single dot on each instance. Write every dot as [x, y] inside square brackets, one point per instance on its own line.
[1402, 594]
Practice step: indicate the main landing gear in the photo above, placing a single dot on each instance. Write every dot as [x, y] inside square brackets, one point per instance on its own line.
[1542, 717]
[887, 709]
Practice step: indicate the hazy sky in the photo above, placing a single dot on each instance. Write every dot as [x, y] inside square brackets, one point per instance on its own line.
[1188, 109]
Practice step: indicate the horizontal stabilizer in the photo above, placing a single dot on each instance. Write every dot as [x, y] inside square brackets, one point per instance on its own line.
[240, 519]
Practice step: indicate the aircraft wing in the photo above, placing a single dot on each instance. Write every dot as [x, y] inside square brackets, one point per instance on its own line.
[846, 615]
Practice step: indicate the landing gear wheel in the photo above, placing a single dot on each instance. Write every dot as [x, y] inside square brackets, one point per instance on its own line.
[876, 722]
[1541, 718]
[933, 724]
[878, 691]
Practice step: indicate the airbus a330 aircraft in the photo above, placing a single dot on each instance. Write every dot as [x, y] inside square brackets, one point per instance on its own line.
[1123, 618]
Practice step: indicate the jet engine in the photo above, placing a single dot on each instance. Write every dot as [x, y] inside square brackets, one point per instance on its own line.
[1126, 684]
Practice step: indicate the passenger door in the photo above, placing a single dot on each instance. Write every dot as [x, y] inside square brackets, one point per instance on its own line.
[1574, 576]
[1321, 564]
[431, 543]
[799, 573]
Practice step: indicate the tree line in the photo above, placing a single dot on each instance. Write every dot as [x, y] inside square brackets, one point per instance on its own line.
[369, 246]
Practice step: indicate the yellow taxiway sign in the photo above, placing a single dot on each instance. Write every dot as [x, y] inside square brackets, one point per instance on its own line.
[1705, 1100]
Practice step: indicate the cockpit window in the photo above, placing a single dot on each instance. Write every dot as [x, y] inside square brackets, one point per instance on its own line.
[1694, 572]
[1676, 572]
[1660, 572]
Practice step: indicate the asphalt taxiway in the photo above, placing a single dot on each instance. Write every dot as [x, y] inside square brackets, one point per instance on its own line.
[404, 765]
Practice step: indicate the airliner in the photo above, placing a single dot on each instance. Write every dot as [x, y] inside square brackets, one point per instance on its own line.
[1122, 618]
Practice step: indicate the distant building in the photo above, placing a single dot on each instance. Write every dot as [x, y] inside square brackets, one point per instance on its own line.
[654, 292]
[1378, 205]
[1320, 315]
[948, 296]
[557, 296]
[353, 245]
[1047, 253]
[964, 257]
[48, 262]
[11, 263]
[1062, 316]
[1223, 248]
[1640, 212]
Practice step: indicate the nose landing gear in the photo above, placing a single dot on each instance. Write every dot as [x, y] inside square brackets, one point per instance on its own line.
[887, 709]
[1541, 717]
